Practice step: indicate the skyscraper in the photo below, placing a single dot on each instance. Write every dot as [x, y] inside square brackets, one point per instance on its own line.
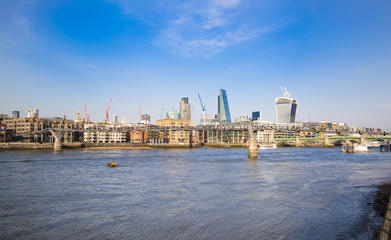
[115, 118]
[184, 108]
[33, 112]
[223, 108]
[145, 118]
[15, 114]
[286, 108]
[256, 116]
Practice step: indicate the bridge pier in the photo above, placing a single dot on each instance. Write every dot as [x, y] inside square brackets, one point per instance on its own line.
[363, 139]
[57, 141]
[57, 145]
[252, 148]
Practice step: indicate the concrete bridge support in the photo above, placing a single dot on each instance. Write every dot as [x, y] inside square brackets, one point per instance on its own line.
[297, 141]
[363, 139]
[252, 148]
[57, 141]
[326, 141]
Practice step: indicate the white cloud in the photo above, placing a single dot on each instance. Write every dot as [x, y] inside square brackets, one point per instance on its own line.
[206, 45]
[205, 28]
[198, 28]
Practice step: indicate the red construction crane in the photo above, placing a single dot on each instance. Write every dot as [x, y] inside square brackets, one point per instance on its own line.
[108, 109]
[87, 116]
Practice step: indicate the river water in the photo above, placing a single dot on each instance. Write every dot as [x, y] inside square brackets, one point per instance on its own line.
[288, 193]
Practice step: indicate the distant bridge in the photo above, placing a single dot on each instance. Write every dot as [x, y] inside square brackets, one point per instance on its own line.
[333, 140]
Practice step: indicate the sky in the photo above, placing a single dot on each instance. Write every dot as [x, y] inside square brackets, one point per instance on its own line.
[333, 56]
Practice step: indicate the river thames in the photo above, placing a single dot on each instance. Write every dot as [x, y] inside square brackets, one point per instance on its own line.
[288, 193]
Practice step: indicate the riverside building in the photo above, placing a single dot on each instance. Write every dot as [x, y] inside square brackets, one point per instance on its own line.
[286, 108]
[178, 136]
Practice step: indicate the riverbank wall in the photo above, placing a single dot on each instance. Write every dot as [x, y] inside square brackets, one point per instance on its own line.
[224, 145]
[26, 146]
[37, 146]
[383, 208]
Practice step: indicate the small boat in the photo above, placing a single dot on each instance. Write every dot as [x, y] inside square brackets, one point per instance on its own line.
[111, 164]
[353, 148]
[267, 146]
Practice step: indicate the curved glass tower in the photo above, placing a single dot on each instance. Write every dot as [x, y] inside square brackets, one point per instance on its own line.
[223, 107]
[286, 108]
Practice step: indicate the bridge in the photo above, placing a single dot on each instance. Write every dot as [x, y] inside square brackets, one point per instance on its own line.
[333, 140]
[245, 126]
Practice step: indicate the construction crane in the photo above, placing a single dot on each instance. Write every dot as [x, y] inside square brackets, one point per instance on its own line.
[203, 107]
[87, 116]
[161, 113]
[23, 111]
[203, 110]
[139, 112]
[285, 92]
[108, 109]
[192, 108]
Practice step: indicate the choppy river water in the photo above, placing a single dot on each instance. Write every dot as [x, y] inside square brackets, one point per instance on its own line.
[288, 193]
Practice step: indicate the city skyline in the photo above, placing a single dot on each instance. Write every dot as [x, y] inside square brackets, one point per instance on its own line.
[333, 56]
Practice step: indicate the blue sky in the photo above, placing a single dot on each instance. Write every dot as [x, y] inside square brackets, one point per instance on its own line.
[334, 56]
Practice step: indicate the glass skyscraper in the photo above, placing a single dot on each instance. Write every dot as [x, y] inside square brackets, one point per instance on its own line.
[223, 108]
[286, 108]
[256, 116]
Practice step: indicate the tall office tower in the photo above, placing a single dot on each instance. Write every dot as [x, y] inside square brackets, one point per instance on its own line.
[286, 108]
[15, 114]
[115, 118]
[184, 108]
[33, 112]
[256, 116]
[223, 107]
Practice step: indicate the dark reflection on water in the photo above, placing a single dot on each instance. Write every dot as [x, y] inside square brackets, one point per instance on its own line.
[288, 193]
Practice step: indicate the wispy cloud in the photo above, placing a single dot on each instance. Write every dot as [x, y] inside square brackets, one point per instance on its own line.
[205, 28]
[204, 44]
[199, 28]
[22, 26]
